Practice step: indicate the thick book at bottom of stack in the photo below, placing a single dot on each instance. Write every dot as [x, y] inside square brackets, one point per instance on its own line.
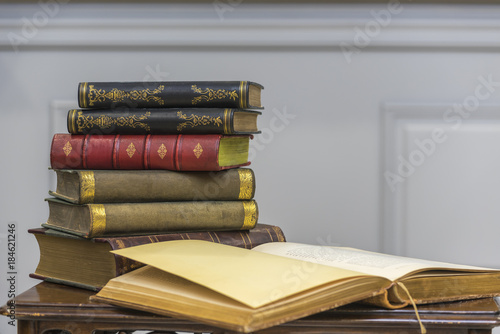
[88, 263]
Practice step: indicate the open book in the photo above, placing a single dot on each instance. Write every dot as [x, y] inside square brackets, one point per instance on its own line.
[247, 290]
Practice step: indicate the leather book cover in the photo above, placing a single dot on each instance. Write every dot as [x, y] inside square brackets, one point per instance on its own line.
[170, 152]
[248, 239]
[132, 186]
[162, 121]
[164, 94]
[118, 219]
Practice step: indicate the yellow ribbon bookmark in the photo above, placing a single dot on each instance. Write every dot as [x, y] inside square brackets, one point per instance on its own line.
[422, 327]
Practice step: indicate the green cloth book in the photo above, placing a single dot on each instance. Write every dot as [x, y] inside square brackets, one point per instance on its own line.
[130, 186]
[117, 219]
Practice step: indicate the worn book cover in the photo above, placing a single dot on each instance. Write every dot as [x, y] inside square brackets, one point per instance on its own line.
[171, 152]
[130, 186]
[118, 219]
[89, 263]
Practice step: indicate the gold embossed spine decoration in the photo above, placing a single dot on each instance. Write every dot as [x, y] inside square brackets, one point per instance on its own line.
[84, 122]
[87, 186]
[194, 121]
[96, 95]
[198, 150]
[246, 184]
[209, 94]
[67, 148]
[131, 150]
[97, 219]
[251, 215]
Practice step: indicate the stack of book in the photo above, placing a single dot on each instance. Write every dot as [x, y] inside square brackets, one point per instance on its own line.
[149, 162]
[134, 171]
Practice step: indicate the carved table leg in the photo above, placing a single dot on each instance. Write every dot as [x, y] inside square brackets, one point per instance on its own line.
[27, 327]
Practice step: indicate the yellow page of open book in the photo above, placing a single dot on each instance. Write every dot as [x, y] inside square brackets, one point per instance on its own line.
[252, 278]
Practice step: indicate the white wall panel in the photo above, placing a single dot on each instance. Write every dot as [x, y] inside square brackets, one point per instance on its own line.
[441, 182]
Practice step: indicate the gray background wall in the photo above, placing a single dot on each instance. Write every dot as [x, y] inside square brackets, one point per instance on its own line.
[381, 121]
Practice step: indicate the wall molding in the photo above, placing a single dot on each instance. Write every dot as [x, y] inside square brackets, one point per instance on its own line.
[399, 122]
[221, 23]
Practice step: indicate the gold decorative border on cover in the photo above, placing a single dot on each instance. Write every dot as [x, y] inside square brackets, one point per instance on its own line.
[227, 121]
[243, 94]
[279, 235]
[97, 219]
[246, 184]
[251, 214]
[87, 186]
[83, 94]
[71, 120]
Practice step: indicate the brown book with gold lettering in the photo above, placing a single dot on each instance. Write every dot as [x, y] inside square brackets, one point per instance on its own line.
[128, 186]
[88, 263]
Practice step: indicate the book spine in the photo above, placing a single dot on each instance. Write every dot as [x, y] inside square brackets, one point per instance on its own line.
[156, 186]
[162, 94]
[151, 121]
[118, 219]
[142, 218]
[170, 152]
[245, 239]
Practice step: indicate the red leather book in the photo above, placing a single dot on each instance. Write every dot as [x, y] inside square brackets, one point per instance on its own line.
[172, 152]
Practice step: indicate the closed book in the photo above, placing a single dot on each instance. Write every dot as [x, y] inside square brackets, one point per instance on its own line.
[127, 186]
[162, 121]
[115, 219]
[171, 152]
[163, 94]
[88, 263]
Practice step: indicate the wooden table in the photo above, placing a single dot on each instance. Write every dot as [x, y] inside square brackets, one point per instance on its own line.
[48, 308]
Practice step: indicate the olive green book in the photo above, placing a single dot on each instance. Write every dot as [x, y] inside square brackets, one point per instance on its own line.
[116, 219]
[131, 186]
